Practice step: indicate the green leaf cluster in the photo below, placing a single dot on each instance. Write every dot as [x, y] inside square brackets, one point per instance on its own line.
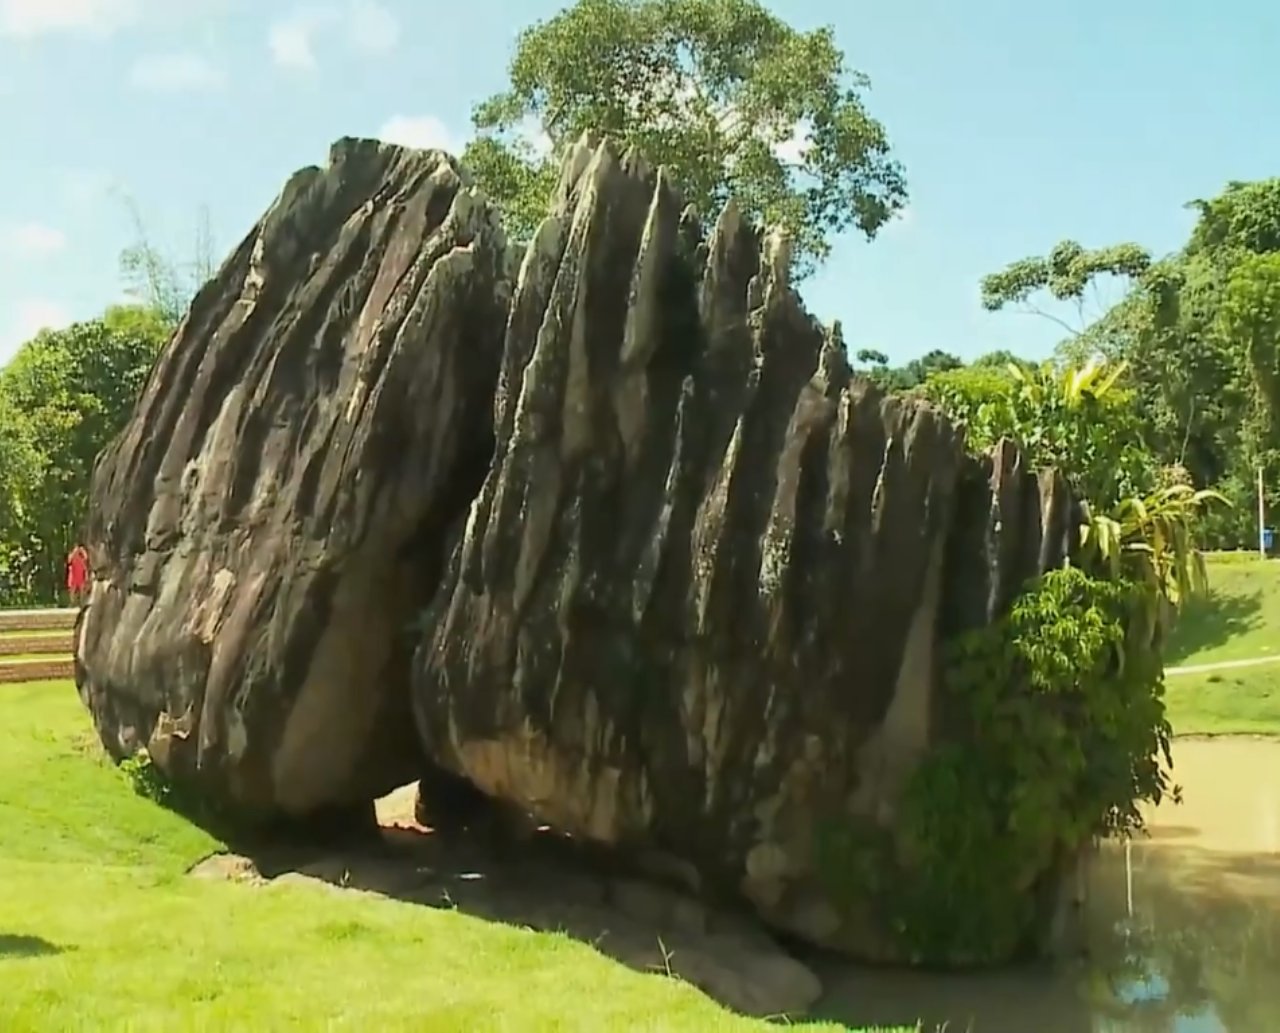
[874, 365]
[1249, 317]
[726, 95]
[1198, 330]
[1080, 420]
[1065, 273]
[1063, 738]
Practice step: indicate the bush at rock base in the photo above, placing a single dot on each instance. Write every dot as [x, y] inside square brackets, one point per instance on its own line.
[1062, 738]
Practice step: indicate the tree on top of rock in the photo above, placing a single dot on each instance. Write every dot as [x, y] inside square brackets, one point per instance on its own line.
[733, 100]
[156, 282]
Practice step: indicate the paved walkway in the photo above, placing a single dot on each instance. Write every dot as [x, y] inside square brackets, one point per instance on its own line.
[1221, 665]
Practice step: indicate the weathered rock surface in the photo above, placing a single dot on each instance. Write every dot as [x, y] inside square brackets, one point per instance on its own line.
[272, 518]
[697, 604]
[679, 579]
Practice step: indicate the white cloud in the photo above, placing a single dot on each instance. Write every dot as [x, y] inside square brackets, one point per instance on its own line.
[30, 18]
[365, 26]
[32, 240]
[28, 319]
[374, 29]
[425, 132]
[37, 314]
[292, 39]
[176, 72]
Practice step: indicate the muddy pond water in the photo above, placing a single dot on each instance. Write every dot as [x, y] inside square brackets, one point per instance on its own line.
[1181, 929]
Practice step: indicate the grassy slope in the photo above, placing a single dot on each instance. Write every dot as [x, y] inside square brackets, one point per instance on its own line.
[1239, 620]
[100, 929]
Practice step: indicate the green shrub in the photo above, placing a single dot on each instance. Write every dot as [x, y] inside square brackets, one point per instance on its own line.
[1061, 737]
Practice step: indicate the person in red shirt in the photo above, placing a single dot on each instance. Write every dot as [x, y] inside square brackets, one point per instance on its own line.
[78, 574]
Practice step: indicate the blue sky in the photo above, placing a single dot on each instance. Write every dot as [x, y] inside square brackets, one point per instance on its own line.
[1019, 124]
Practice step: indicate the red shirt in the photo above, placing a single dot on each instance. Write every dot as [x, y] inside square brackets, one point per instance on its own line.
[77, 569]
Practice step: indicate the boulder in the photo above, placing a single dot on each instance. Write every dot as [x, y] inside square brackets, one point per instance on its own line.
[615, 538]
[696, 607]
[271, 521]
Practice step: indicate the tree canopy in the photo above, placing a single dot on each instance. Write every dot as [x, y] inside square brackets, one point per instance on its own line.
[875, 365]
[63, 397]
[1198, 332]
[1249, 319]
[1066, 274]
[727, 95]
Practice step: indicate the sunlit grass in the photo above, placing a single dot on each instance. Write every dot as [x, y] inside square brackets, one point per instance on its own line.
[1238, 620]
[100, 929]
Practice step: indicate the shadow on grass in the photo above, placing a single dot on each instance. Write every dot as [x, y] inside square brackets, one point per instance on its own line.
[18, 945]
[546, 882]
[1210, 621]
[1202, 938]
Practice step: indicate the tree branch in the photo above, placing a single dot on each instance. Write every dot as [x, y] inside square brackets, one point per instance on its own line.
[1186, 437]
[1030, 310]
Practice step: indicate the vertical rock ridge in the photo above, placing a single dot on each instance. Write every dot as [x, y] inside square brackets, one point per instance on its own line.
[734, 562]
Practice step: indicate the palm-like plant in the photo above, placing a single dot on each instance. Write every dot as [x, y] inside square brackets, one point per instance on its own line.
[1082, 420]
[1072, 387]
[1151, 540]
[1145, 536]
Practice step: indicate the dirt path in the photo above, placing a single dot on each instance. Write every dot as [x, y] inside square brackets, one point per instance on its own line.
[1221, 665]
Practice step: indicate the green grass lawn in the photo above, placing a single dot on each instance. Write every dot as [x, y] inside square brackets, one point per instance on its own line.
[1238, 620]
[101, 930]
[1233, 702]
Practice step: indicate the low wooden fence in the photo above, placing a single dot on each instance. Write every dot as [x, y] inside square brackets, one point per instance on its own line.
[36, 645]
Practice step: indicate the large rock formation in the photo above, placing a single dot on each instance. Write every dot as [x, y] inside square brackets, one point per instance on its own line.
[694, 608]
[697, 605]
[272, 518]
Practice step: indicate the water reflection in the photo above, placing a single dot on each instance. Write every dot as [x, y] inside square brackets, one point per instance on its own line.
[1183, 936]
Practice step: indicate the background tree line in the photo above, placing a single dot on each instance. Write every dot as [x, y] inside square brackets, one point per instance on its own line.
[63, 397]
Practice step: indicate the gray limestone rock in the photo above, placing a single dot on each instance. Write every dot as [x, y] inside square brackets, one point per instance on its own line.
[698, 602]
[274, 514]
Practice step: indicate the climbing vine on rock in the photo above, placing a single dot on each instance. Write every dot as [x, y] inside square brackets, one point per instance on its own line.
[1064, 738]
